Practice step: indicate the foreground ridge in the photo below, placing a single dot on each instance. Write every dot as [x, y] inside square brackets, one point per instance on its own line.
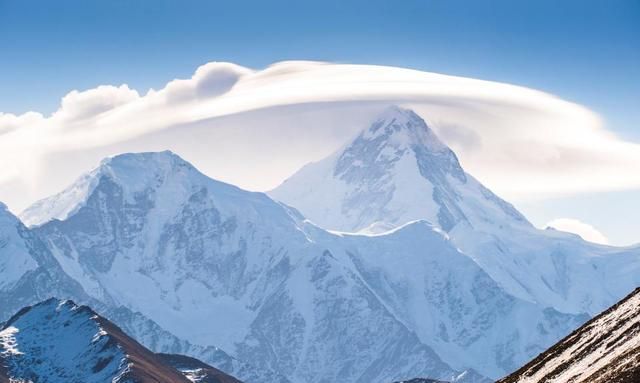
[605, 349]
[59, 341]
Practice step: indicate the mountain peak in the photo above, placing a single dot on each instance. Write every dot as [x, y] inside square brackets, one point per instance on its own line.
[32, 348]
[395, 171]
[141, 166]
[402, 128]
[397, 113]
[166, 158]
[135, 172]
[141, 170]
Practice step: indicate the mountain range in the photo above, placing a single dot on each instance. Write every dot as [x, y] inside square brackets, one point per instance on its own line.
[384, 262]
[397, 171]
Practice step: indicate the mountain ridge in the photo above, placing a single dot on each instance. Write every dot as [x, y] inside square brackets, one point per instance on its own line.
[187, 244]
[392, 181]
[605, 349]
[206, 263]
[389, 166]
[57, 340]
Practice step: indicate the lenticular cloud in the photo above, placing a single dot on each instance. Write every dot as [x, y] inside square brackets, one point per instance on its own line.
[519, 141]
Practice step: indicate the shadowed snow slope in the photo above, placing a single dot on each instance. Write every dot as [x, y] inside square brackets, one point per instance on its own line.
[397, 171]
[212, 264]
[58, 341]
[605, 349]
[28, 271]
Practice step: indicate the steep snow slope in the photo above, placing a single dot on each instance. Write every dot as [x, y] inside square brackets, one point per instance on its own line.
[29, 274]
[15, 258]
[397, 171]
[189, 239]
[154, 337]
[216, 265]
[28, 271]
[447, 300]
[394, 172]
[606, 349]
[57, 341]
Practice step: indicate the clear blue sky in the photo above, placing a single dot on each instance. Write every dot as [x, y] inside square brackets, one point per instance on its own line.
[585, 51]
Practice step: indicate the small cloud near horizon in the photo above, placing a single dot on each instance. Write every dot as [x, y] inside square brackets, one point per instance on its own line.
[584, 230]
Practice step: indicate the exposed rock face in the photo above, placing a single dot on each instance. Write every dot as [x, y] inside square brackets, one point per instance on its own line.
[605, 349]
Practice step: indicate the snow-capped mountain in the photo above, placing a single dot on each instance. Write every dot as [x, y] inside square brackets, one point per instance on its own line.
[58, 341]
[605, 349]
[28, 271]
[212, 264]
[394, 172]
[397, 171]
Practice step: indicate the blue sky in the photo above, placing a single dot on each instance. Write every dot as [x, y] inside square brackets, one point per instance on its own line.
[583, 51]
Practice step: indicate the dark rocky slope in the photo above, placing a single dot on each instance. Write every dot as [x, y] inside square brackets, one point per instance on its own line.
[605, 349]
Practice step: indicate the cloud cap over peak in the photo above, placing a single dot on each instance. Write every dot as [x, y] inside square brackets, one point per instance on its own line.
[255, 127]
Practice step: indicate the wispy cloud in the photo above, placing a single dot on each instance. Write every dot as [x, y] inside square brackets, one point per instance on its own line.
[584, 230]
[253, 128]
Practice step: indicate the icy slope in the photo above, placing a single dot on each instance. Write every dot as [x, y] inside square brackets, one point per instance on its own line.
[447, 300]
[155, 338]
[394, 172]
[397, 171]
[29, 274]
[606, 349]
[28, 271]
[58, 341]
[215, 265]
[15, 257]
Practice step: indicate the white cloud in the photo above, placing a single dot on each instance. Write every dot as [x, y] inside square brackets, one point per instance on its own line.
[584, 230]
[78, 106]
[10, 122]
[209, 80]
[253, 128]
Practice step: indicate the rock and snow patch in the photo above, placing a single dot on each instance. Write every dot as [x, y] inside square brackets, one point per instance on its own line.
[606, 349]
[57, 341]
